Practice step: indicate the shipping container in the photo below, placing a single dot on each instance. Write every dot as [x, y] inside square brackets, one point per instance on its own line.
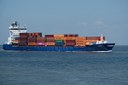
[58, 35]
[70, 38]
[59, 42]
[49, 39]
[80, 38]
[23, 34]
[35, 34]
[47, 36]
[70, 42]
[38, 34]
[29, 34]
[23, 39]
[40, 39]
[59, 38]
[71, 35]
[31, 43]
[80, 43]
[32, 39]
[50, 43]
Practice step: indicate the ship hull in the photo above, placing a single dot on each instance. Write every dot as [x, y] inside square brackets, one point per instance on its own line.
[107, 47]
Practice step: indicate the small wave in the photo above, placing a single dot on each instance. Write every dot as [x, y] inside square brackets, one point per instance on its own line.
[120, 51]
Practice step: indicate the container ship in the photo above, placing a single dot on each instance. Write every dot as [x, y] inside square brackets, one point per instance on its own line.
[21, 40]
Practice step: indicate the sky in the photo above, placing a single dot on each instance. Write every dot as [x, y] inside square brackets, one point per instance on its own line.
[83, 17]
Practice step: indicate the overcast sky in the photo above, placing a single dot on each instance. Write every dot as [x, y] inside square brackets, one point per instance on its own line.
[83, 17]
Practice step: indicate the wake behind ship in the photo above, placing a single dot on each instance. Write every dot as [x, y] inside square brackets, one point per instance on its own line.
[21, 40]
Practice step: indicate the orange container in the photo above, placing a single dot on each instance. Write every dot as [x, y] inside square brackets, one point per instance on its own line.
[31, 43]
[59, 38]
[80, 38]
[70, 38]
[58, 35]
[50, 43]
[80, 43]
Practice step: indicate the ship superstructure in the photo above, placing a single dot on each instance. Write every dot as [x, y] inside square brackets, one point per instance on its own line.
[14, 31]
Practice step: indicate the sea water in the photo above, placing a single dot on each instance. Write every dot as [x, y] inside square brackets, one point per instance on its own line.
[64, 68]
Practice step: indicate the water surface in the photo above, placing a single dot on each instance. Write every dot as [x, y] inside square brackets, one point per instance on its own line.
[64, 68]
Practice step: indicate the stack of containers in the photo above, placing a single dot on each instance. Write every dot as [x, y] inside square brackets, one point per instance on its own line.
[23, 39]
[70, 39]
[59, 39]
[31, 41]
[80, 41]
[32, 38]
[40, 41]
[36, 39]
[50, 41]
